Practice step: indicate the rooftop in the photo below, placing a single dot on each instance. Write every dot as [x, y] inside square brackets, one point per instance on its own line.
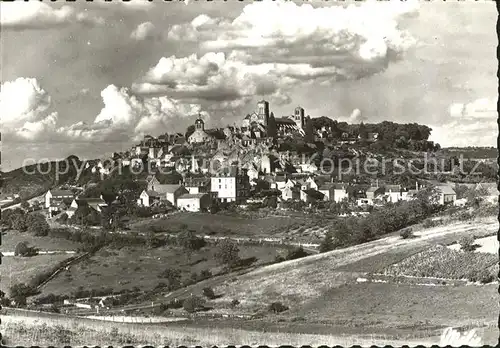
[192, 195]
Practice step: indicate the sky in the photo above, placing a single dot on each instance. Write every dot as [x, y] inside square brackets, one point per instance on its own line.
[92, 78]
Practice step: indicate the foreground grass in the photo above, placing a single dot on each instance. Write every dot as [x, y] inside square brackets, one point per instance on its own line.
[60, 330]
[11, 238]
[16, 269]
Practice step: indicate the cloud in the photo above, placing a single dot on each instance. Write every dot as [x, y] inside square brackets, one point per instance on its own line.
[478, 109]
[125, 117]
[356, 117]
[38, 15]
[470, 124]
[218, 77]
[25, 109]
[355, 41]
[144, 31]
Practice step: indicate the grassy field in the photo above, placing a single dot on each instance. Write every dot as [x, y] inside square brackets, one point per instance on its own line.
[216, 224]
[442, 262]
[405, 307]
[140, 267]
[45, 329]
[22, 269]
[11, 238]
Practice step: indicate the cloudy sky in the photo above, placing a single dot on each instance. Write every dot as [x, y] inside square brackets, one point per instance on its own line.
[90, 78]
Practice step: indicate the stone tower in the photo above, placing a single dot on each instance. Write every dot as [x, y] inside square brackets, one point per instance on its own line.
[199, 124]
[263, 112]
[299, 117]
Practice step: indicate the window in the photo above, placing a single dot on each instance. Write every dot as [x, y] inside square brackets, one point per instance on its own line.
[220, 180]
[220, 187]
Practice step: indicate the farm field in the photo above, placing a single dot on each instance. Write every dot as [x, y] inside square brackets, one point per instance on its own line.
[441, 262]
[129, 267]
[11, 238]
[217, 224]
[22, 269]
[485, 245]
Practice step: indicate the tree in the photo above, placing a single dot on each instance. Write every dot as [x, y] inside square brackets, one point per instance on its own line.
[189, 131]
[327, 243]
[296, 253]
[272, 130]
[22, 249]
[19, 223]
[209, 293]
[173, 277]
[277, 307]
[467, 244]
[151, 240]
[309, 136]
[193, 303]
[363, 133]
[37, 225]
[19, 293]
[227, 252]
[189, 241]
[25, 205]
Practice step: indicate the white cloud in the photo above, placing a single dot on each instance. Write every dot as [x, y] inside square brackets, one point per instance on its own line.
[25, 109]
[218, 77]
[470, 124]
[26, 115]
[359, 39]
[480, 108]
[39, 15]
[144, 31]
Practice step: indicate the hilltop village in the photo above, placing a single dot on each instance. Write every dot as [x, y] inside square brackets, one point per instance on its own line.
[288, 161]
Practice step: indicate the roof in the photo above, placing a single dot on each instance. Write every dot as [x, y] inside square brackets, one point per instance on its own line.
[192, 195]
[170, 188]
[60, 193]
[491, 187]
[445, 189]
[313, 193]
[91, 200]
[326, 186]
[393, 188]
[373, 189]
[196, 182]
[339, 186]
[285, 120]
[152, 193]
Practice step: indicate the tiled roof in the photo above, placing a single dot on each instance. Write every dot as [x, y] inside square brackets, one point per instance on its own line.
[192, 195]
[445, 189]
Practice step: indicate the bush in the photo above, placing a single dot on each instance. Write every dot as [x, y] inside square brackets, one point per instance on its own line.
[234, 303]
[193, 304]
[189, 241]
[22, 249]
[227, 252]
[296, 253]
[37, 225]
[467, 243]
[175, 303]
[209, 293]
[277, 307]
[327, 243]
[406, 233]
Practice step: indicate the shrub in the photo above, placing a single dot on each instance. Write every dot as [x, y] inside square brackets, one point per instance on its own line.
[406, 233]
[227, 252]
[175, 303]
[209, 293]
[190, 241]
[327, 243]
[234, 303]
[467, 243]
[37, 225]
[277, 307]
[22, 249]
[296, 253]
[193, 303]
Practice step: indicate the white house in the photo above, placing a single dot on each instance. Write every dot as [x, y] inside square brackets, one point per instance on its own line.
[393, 193]
[230, 185]
[447, 194]
[340, 193]
[194, 202]
[328, 190]
[290, 193]
[147, 198]
[57, 195]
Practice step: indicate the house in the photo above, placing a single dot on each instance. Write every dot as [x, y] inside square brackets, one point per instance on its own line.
[147, 198]
[447, 194]
[199, 135]
[59, 205]
[194, 202]
[57, 195]
[310, 195]
[231, 185]
[393, 193]
[173, 192]
[197, 185]
[490, 190]
[96, 204]
[290, 193]
[374, 192]
[340, 192]
[312, 183]
[328, 190]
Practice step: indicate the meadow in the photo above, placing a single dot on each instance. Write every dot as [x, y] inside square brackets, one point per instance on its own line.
[442, 262]
[11, 238]
[139, 267]
[16, 269]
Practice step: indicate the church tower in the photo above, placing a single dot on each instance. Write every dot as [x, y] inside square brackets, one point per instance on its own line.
[299, 118]
[263, 112]
[199, 124]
